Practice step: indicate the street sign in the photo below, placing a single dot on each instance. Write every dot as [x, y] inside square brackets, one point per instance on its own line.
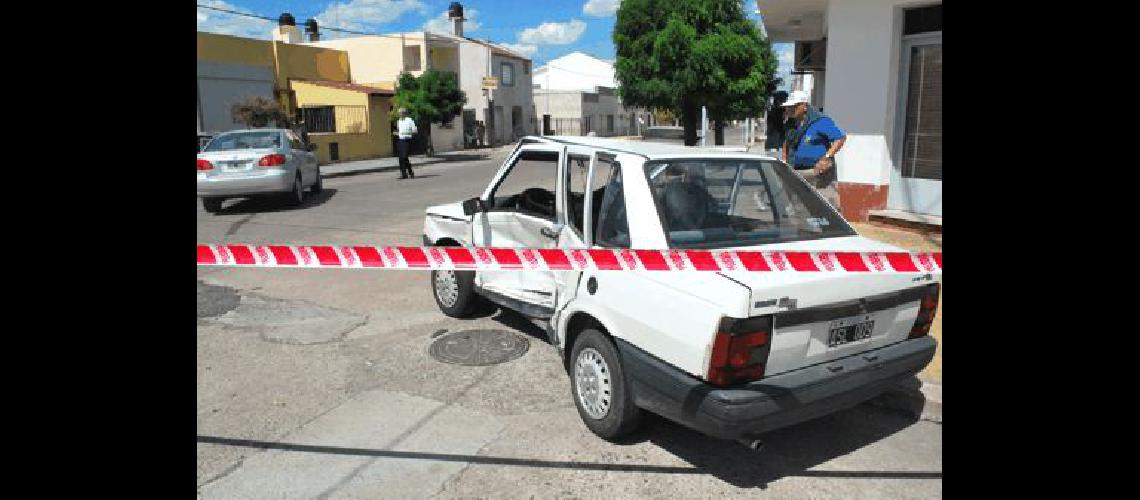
[490, 82]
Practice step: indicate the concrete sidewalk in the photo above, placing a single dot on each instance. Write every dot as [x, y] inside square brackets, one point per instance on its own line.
[392, 163]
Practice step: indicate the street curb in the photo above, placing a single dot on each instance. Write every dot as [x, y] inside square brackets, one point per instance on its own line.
[372, 170]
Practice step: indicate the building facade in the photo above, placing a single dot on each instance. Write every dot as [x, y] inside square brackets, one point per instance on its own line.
[877, 68]
[576, 95]
[232, 69]
[506, 112]
[377, 61]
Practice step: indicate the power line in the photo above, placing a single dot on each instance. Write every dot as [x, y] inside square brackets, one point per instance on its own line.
[255, 16]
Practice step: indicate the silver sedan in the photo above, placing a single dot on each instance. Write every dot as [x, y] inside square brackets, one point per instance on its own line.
[243, 163]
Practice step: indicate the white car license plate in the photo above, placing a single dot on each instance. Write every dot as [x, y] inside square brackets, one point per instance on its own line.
[235, 166]
[846, 330]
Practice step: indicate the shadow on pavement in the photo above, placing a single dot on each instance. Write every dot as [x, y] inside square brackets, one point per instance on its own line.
[269, 203]
[462, 157]
[790, 452]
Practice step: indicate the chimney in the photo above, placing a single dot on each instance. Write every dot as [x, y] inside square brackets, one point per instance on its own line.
[286, 30]
[455, 13]
[312, 30]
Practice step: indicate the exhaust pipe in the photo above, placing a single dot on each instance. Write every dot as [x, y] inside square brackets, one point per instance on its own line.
[753, 444]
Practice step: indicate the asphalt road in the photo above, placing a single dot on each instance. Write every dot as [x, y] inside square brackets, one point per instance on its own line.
[318, 384]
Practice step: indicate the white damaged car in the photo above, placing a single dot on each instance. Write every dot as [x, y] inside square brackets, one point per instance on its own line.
[730, 354]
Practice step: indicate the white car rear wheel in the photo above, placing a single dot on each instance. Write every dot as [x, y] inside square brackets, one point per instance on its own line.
[600, 388]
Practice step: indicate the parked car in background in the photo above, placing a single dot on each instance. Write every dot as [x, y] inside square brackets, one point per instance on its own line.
[257, 162]
[732, 354]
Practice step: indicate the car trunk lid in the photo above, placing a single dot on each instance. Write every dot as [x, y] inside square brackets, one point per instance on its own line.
[809, 306]
[234, 163]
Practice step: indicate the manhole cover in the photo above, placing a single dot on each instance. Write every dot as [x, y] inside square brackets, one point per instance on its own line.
[479, 347]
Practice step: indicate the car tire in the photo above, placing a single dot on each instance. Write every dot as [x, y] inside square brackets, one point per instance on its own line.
[296, 196]
[317, 186]
[212, 205]
[600, 388]
[454, 292]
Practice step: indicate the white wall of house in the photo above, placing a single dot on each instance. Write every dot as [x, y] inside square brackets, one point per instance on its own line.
[861, 83]
[558, 103]
[575, 71]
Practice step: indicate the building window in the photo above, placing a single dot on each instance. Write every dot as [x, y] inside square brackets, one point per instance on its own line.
[319, 119]
[526, 67]
[922, 20]
[507, 75]
[412, 57]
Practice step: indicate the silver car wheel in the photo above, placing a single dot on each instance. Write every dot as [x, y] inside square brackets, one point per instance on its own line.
[446, 288]
[592, 380]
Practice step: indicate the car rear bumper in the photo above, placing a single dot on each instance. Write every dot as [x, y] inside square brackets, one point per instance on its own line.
[773, 402]
[269, 181]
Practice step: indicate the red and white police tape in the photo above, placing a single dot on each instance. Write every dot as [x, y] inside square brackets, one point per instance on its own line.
[557, 259]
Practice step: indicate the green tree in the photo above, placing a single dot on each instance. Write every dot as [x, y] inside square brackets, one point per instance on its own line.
[682, 54]
[433, 97]
[259, 112]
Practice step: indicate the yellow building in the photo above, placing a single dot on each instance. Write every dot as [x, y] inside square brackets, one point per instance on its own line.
[347, 121]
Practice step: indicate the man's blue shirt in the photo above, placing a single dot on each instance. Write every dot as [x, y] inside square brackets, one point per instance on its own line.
[815, 142]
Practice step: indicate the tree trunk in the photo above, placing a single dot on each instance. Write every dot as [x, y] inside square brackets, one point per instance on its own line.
[718, 127]
[690, 118]
[430, 147]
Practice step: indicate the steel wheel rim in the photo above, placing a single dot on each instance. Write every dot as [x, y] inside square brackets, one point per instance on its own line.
[592, 383]
[446, 288]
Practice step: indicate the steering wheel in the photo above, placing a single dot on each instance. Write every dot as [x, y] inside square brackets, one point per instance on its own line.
[537, 200]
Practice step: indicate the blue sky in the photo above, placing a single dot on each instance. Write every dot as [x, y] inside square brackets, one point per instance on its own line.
[542, 30]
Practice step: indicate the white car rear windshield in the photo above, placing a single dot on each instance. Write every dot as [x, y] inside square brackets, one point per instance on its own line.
[245, 140]
[706, 203]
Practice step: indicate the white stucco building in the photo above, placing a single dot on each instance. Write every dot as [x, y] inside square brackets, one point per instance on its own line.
[576, 94]
[877, 67]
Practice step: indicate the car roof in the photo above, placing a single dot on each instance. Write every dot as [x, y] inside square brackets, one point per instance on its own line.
[649, 150]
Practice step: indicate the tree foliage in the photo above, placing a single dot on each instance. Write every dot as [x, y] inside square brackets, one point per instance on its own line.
[259, 112]
[433, 97]
[682, 54]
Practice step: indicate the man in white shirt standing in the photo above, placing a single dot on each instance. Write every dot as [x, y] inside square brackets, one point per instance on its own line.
[405, 129]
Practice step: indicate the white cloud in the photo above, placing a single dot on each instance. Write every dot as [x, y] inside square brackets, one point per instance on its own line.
[213, 21]
[553, 33]
[442, 24]
[785, 55]
[522, 49]
[364, 15]
[601, 8]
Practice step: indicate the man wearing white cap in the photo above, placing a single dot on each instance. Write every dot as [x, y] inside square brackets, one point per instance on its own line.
[811, 147]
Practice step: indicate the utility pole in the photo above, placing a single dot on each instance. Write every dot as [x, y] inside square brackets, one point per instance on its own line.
[704, 124]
